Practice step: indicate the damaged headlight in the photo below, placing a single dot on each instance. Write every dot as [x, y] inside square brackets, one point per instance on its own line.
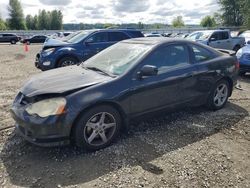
[47, 107]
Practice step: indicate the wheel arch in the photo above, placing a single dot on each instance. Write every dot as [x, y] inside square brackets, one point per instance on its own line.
[116, 106]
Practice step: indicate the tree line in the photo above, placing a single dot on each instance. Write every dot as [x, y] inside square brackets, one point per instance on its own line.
[234, 13]
[49, 20]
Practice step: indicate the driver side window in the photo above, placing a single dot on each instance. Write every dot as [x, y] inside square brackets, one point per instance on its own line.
[172, 56]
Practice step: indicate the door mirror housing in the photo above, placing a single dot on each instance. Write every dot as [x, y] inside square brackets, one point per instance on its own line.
[148, 70]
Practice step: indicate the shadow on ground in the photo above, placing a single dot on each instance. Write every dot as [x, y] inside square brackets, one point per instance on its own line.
[32, 166]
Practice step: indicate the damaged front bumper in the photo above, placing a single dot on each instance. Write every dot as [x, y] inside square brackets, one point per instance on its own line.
[49, 131]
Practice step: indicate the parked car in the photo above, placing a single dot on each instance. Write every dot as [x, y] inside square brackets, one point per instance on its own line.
[89, 104]
[153, 35]
[10, 38]
[56, 53]
[246, 35]
[218, 39]
[243, 56]
[35, 39]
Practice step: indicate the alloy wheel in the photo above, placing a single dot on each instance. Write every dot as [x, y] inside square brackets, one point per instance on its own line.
[67, 63]
[220, 95]
[100, 128]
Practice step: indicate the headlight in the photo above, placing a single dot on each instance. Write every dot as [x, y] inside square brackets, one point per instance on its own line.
[48, 51]
[47, 107]
[239, 53]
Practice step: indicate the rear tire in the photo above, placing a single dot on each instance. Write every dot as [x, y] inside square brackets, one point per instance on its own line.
[97, 128]
[67, 61]
[219, 95]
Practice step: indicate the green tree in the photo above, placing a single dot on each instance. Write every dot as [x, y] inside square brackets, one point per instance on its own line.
[29, 20]
[178, 22]
[43, 20]
[16, 20]
[35, 23]
[140, 25]
[56, 20]
[208, 21]
[231, 12]
[245, 9]
[2, 24]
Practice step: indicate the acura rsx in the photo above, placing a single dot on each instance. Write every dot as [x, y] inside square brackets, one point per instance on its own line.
[89, 104]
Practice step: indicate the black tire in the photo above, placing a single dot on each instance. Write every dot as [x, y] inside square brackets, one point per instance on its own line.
[67, 61]
[13, 42]
[90, 138]
[211, 102]
[236, 48]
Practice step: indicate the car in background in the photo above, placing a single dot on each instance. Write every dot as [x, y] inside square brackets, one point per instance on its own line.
[243, 56]
[35, 39]
[218, 39]
[79, 48]
[166, 34]
[90, 104]
[246, 35]
[10, 38]
[153, 35]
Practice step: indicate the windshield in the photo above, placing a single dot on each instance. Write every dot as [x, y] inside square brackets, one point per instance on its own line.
[65, 39]
[78, 37]
[118, 58]
[200, 35]
[245, 34]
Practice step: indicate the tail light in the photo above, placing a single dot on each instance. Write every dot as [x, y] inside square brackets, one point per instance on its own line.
[237, 65]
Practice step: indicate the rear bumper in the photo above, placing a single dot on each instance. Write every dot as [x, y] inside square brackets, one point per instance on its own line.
[244, 68]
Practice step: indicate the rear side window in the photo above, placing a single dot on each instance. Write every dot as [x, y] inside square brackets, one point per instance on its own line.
[169, 57]
[98, 37]
[224, 36]
[201, 54]
[117, 36]
[136, 34]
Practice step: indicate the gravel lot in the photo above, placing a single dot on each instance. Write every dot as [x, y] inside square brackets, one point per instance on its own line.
[189, 148]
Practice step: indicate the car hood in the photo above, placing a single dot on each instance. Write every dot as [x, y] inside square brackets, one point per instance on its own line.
[54, 43]
[62, 80]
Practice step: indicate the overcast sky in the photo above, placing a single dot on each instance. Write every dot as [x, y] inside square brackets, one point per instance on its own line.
[120, 11]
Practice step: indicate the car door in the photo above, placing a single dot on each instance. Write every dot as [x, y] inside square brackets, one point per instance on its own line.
[207, 70]
[221, 40]
[173, 84]
[96, 43]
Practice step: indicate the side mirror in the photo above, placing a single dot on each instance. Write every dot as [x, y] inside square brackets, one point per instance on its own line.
[212, 39]
[248, 42]
[148, 70]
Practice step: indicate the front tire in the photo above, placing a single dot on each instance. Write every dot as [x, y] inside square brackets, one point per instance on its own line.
[219, 95]
[97, 128]
[13, 42]
[67, 61]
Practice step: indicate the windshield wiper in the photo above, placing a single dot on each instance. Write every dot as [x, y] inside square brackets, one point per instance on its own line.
[99, 70]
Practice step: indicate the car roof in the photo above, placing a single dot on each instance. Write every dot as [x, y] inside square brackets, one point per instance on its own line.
[155, 40]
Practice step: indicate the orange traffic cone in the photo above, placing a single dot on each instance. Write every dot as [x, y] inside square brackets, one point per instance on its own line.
[26, 48]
